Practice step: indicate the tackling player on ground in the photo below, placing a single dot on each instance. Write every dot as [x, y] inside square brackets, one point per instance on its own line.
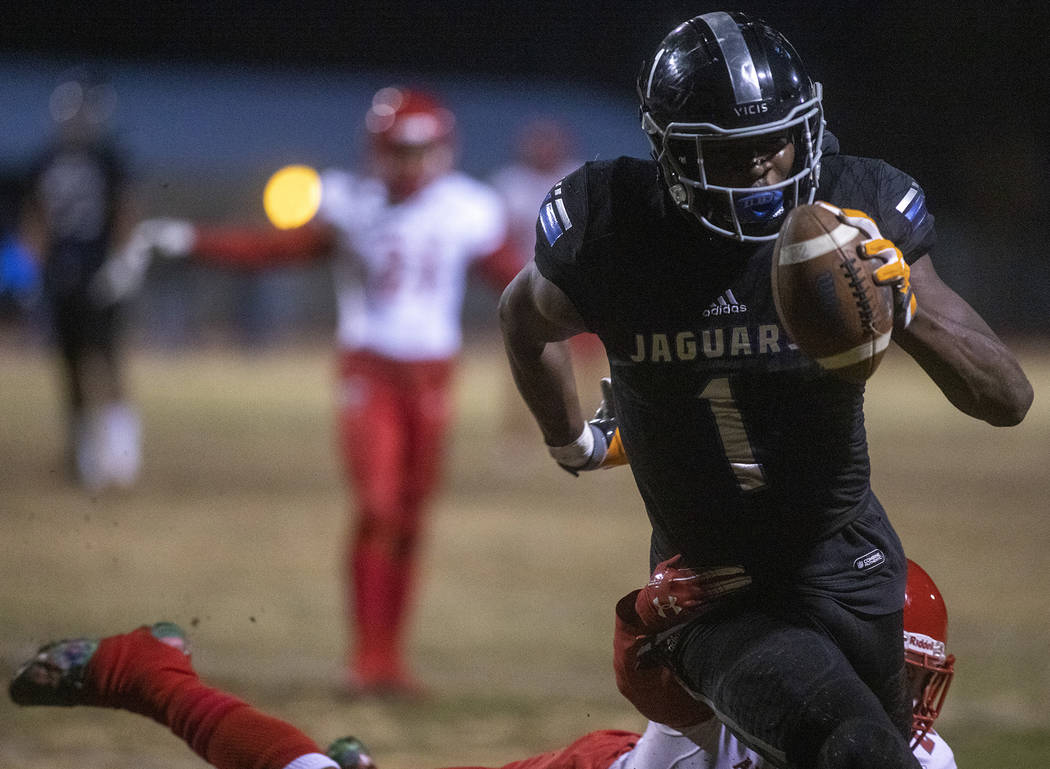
[149, 672]
[747, 455]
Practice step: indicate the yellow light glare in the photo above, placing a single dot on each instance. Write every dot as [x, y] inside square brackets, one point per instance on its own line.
[292, 196]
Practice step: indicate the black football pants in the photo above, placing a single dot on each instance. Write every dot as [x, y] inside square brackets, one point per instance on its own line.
[86, 334]
[803, 681]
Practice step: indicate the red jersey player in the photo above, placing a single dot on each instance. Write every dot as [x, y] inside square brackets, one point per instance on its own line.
[403, 237]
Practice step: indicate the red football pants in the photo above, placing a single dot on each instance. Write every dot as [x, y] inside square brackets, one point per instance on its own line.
[393, 417]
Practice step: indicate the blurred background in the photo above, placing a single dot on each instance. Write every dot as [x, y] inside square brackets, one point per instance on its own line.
[212, 98]
[240, 486]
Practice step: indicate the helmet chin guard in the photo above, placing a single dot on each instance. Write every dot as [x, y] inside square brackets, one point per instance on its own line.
[724, 77]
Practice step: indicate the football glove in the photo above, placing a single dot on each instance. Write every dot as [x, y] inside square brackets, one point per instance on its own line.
[599, 445]
[676, 593]
[894, 270]
[171, 238]
[644, 680]
[123, 272]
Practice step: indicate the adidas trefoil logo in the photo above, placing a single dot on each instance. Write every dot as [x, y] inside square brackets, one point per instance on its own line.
[725, 304]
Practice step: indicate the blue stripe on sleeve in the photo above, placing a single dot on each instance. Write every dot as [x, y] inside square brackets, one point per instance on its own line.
[916, 211]
[552, 227]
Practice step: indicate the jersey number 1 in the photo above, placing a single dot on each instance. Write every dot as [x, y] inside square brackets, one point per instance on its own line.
[731, 430]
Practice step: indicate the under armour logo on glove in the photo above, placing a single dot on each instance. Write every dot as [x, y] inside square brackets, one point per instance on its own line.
[670, 606]
[674, 595]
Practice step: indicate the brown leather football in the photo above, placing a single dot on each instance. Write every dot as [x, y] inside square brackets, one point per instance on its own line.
[825, 293]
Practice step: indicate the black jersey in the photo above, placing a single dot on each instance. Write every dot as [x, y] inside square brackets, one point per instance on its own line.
[78, 187]
[742, 447]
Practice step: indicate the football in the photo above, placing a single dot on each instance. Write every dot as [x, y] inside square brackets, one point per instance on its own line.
[825, 293]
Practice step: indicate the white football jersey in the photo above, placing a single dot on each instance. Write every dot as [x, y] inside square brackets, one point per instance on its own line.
[710, 745]
[933, 752]
[401, 270]
[523, 189]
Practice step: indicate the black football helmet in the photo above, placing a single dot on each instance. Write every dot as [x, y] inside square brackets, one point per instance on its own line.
[727, 77]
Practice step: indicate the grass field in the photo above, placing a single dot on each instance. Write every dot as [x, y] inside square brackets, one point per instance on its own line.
[237, 528]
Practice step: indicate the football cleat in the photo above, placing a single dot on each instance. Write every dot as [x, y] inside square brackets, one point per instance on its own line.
[172, 635]
[55, 676]
[350, 753]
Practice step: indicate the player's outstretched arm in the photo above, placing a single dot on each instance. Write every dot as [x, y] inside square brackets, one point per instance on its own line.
[536, 317]
[248, 247]
[963, 356]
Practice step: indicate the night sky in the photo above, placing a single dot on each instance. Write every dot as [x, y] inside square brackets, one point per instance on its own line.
[918, 83]
[957, 94]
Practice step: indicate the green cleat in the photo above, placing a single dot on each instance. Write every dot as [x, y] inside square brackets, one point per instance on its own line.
[55, 676]
[350, 753]
[171, 634]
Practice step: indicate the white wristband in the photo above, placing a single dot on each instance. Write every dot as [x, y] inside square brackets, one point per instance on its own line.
[577, 453]
[312, 761]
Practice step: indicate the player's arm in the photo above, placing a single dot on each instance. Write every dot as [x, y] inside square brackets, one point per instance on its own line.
[963, 356]
[536, 317]
[235, 247]
[247, 247]
[933, 324]
[125, 267]
[301, 231]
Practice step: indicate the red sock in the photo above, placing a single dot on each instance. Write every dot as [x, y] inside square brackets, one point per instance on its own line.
[374, 579]
[400, 601]
[136, 672]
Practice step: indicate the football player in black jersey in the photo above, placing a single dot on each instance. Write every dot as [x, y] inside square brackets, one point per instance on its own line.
[746, 453]
[77, 212]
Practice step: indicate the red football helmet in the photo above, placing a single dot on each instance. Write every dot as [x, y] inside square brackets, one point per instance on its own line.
[930, 667]
[411, 138]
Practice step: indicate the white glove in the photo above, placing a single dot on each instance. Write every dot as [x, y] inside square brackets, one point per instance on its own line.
[123, 272]
[172, 238]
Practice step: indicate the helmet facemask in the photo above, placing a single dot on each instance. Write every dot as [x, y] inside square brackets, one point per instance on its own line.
[929, 676]
[744, 213]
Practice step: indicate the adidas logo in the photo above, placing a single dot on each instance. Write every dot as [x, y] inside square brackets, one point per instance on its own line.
[724, 305]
